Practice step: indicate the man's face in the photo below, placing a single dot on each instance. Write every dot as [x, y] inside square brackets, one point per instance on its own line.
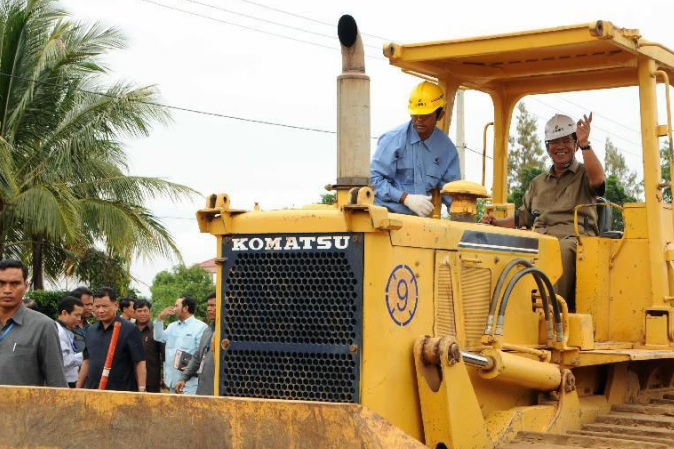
[88, 303]
[425, 124]
[210, 309]
[12, 288]
[105, 309]
[73, 318]
[181, 312]
[562, 150]
[129, 310]
[142, 315]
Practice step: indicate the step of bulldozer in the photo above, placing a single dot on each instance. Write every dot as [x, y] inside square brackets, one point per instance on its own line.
[528, 445]
[631, 432]
[651, 410]
[540, 440]
[636, 420]
[662, 402]
[643, 439]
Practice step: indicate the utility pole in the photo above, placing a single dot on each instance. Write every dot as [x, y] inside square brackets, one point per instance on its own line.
[461, 131]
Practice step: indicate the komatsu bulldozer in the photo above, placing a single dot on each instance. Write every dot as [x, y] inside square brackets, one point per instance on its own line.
[350, 326]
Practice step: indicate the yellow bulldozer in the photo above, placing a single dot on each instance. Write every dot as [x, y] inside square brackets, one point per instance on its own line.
[346, 325]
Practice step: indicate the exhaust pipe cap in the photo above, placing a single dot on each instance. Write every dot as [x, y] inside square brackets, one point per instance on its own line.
[347, 30]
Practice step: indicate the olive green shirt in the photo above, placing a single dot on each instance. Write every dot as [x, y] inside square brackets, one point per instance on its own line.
[555, 198]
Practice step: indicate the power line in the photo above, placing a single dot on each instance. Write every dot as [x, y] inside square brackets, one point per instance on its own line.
[607, 132]
[288, 13]
[184, 109]
[269, 33]
[599, 115]
[479, 153]
[248, 16]
[203, 16]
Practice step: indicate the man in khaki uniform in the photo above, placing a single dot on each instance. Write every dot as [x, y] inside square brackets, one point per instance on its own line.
[552, 196]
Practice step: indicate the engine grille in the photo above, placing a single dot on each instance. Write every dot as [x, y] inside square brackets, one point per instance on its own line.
[293, 318]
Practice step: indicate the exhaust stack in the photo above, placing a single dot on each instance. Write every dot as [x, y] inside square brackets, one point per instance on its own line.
[353, 112]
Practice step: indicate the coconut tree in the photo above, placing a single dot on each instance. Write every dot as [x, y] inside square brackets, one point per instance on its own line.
[64, 184]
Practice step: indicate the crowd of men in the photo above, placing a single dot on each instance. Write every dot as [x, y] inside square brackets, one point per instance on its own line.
[93, 344]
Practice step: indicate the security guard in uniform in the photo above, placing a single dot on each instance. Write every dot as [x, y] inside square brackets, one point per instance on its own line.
[416, 157]
[552, 196]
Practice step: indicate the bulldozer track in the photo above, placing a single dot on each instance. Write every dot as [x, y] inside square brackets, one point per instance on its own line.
[626, 426]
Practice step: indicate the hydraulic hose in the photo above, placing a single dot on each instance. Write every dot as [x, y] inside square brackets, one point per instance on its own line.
[497, 293]
[539, 276]
[497, 290]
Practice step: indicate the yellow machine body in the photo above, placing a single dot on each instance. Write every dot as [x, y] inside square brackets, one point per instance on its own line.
[530, 379]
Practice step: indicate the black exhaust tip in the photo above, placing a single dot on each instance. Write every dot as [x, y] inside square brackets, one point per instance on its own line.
[347, 30]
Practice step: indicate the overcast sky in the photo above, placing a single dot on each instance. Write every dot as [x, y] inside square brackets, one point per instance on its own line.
[221, 61]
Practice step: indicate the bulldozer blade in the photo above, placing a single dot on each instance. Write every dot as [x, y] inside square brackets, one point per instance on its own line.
[48, 418]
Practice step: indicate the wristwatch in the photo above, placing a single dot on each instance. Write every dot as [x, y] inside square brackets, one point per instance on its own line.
[586, 147]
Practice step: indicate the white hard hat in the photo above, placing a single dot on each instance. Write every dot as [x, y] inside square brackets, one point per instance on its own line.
[559, 126]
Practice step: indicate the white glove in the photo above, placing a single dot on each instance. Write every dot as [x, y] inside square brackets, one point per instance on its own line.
[419, 204]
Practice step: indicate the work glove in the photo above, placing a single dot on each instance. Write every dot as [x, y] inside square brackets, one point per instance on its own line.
[419, 204]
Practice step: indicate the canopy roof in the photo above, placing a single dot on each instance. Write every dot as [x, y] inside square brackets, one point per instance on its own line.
[580, 57]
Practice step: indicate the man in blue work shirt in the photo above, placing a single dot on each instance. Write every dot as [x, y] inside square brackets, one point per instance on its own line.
[182, 341]
[416, 157]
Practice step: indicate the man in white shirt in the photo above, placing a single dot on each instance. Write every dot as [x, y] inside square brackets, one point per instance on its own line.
[182, 341]
[70, 313]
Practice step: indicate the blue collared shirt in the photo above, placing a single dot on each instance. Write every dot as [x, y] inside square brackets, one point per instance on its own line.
[183, 335]
[403, 163]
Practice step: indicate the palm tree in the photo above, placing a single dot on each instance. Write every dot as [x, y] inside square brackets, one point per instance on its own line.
[64, 187]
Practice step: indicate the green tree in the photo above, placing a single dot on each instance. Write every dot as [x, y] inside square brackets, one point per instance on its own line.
[63, 181]
[524, 149]
[328, 198]
[99, 269]
[616, 193]
[194, 281]
[615, 165]
[664, 158]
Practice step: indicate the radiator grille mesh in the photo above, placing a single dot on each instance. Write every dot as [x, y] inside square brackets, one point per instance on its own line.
[292, 320]
[476, 294]
[445, 323]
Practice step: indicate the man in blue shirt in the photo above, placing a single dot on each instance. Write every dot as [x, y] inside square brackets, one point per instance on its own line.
[416, 157]
[182, 341]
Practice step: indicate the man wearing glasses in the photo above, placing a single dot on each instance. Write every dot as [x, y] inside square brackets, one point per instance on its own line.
[549, 203]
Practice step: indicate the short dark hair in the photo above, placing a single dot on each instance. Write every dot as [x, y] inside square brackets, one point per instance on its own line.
[139, 304]
[190, 303]
[81, 291]
[438, 112]
[125, 303]
[211, 296]
[13, 263]
[68, 304]
[105, 291]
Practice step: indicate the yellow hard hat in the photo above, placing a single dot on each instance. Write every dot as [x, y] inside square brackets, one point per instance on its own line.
[426, 98]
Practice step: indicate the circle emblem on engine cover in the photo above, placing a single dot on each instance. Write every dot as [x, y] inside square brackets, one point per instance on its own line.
[402, 295]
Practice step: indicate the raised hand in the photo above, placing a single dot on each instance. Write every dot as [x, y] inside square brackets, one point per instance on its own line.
[583, 130]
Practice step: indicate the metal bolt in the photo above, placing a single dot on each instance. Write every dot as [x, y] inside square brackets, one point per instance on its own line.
[353, 349]
[454, 354]
[570, 383]
[225, 344]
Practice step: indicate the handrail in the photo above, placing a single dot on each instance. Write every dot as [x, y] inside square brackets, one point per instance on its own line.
[484, 151]
[580, 206]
